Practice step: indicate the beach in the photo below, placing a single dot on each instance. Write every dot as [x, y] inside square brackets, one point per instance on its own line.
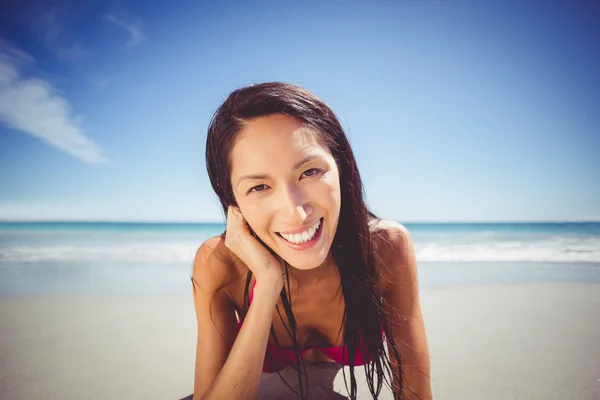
[534, 341]
[105, 311]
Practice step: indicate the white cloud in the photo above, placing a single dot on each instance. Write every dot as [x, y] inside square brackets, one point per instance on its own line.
[32, 106]
[136, 36]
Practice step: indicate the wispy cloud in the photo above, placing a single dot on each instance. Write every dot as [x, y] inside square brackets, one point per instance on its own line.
[32, 106]
[134, 29]
[13, 54]
[49, 21]
[98, 80]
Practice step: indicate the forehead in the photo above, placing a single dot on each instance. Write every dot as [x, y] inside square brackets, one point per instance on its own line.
[273, 141]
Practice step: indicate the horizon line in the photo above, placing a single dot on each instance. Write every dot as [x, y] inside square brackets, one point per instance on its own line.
[165, 222]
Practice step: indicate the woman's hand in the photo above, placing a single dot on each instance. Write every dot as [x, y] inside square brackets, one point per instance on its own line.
[265, 267]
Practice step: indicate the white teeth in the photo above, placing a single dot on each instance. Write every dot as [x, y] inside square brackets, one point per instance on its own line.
[303, 237]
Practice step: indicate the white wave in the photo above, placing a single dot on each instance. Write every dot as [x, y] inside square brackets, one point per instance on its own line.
[550, 249]
[556, 250]
[131, 252]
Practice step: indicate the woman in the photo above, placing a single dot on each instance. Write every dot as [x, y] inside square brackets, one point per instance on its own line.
[304, 273]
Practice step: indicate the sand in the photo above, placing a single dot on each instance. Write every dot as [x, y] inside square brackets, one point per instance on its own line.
[536, 341]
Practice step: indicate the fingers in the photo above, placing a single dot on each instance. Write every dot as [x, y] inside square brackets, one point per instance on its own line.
[238, 237]
[240, 240]
[236, 221]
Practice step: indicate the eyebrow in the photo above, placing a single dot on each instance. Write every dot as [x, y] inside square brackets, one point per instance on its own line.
[263, 176]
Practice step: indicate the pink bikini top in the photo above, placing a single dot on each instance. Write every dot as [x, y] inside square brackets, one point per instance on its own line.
[277, 359]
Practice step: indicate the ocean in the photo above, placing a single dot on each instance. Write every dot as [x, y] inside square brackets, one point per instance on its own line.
[149, 257]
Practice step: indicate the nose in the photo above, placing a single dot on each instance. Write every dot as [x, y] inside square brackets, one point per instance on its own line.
[294, 208]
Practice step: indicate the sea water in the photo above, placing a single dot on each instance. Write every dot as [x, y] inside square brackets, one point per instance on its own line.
[149, 257]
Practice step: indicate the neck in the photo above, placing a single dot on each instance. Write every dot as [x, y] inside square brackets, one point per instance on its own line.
[324, 272]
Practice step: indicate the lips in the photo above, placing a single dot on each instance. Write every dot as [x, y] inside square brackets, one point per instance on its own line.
[299, 236]
[308, 244]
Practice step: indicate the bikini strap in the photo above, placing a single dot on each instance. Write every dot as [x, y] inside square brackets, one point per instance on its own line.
[251, 295]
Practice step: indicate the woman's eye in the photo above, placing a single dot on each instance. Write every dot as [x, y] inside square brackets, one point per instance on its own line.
[258, 188]
[308, 173]
[312, 171]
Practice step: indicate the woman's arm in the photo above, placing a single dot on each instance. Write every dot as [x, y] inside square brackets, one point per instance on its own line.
[228, 364]
[401, 298]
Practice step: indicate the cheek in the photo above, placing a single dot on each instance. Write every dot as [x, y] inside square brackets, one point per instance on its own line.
[257, 218]
[332, 198]
[333, 192]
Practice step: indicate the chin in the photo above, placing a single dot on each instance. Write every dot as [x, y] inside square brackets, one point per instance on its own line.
[306, 265]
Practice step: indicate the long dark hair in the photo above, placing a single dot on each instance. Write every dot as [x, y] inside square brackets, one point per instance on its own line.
[365, 316]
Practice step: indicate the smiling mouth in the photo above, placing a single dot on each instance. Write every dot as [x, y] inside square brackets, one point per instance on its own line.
[304, 239]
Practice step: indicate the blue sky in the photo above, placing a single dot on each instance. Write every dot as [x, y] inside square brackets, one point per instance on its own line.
[456, 110]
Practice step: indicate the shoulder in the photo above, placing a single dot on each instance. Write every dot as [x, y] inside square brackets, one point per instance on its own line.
[391, 230]
[390, 238]
[215, 266]
[394, 252]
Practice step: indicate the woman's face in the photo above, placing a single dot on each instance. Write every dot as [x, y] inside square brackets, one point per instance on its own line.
[285, 182]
